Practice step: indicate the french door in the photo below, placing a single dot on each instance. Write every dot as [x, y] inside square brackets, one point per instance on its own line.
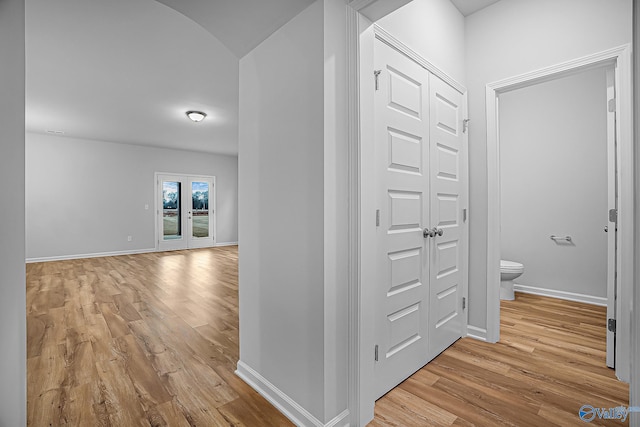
[185, 211]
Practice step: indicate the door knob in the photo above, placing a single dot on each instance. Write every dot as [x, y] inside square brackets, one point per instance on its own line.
[428, 233]
[606, 228]
[438, 231]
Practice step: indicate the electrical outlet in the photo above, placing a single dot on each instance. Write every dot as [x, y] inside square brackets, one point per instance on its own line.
[129, 238]
[146, 207]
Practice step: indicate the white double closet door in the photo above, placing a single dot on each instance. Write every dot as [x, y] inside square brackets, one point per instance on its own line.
[418, 144]
[185, 211]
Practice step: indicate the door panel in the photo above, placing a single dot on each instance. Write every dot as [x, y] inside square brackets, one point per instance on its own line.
[445, 299]
[401, 142]
[201, 224]
[611, 226]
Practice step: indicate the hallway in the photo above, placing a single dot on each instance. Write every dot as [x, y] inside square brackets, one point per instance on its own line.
[152, 340]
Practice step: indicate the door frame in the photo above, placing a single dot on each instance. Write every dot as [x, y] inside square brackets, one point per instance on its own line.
[361, 33]
[212, 205]
[620, 57]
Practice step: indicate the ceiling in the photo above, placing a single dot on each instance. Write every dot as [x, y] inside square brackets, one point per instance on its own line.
[128, 70]
[467, 7]
[240, 24]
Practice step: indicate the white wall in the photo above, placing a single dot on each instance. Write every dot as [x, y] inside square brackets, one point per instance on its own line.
[553, 172]
[635, 324]
[86, 197]
[336, 203]
[509, 38]
[13, 355]
[281, 205]
[433, 28]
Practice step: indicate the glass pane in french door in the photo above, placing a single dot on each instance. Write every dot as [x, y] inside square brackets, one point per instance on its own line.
[171, 215]
[200, 208]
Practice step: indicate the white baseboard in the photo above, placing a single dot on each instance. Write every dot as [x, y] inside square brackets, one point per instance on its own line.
[476, 333]
[290, 408]
[226, 244]
[92, 255]
[570, 296]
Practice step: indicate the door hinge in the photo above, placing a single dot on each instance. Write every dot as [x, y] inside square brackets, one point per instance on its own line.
[375, 353]
[611, 325]
[464, 215]
[376, 74]
[377, 217]
[465, 125]
[464, 303]
[613, 215]
[612, 105]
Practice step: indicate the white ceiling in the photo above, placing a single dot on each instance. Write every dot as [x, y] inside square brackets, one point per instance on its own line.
[128, 70]
[467, 7]
[240, 24]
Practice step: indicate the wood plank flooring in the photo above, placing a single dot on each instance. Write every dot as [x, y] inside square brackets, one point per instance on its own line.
[141, 340]
[152, 340]
[549, 362]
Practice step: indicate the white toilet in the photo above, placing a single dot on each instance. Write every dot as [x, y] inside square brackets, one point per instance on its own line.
[509, 271]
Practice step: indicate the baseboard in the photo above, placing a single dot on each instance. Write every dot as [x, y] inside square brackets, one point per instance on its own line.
[290, 408]
[92, 255]
[226, 244]
[570, 296]
[476, 333]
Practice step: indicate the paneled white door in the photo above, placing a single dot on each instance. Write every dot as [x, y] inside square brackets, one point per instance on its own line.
[418, 141]
[185, 211]
[446, 190]
[612, 227]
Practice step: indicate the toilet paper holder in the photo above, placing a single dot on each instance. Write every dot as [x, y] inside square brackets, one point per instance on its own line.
[559, 238]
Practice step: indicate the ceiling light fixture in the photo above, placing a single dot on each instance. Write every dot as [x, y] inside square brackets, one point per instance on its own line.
[196, 116]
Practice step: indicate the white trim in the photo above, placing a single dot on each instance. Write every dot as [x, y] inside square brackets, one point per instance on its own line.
[289, 407]
[621, 56]
[217, 245]
[112, 253]
[569, 296]
[353, 224]
[476, 333]
[635, 329]
[90, 255]
[384, 36]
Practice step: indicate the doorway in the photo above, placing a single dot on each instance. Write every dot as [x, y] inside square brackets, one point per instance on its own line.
[185, 214]
[557, 187]
[619, 294]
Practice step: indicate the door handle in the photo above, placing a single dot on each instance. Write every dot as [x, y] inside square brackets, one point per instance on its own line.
[432, 232]
[428, 233]
[606, 228]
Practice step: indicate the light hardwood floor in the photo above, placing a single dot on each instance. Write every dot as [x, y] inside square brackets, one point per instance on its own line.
[152, 340]
[549, 362]
[141, 340]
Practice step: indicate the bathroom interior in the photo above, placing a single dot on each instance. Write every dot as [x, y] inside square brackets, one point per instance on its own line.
[554, 188]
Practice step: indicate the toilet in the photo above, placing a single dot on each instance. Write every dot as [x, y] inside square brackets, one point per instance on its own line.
[509, 271]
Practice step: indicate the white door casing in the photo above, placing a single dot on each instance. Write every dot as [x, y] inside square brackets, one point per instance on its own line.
[619, 57]
[402, 147]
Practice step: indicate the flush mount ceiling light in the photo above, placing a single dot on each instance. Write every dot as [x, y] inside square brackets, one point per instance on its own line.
[196, 116]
